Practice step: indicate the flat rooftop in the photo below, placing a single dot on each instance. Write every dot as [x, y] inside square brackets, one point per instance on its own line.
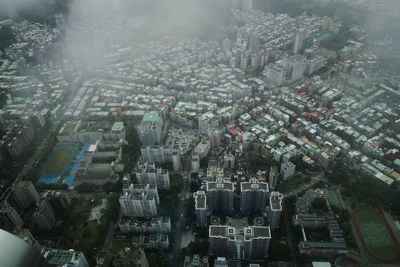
[201, 202]
[118, 127]
[219, 186]
[276, 203]
[150, 117]
[262, 231]
[220, 230]
[254, 185]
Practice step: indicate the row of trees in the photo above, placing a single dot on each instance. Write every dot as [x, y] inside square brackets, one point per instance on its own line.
[131, 151]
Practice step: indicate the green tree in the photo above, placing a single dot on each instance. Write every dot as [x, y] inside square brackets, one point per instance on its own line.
[156, 258]
[6, 37]
[131, 151]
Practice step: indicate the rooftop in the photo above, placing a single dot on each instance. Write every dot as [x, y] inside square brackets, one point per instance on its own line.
[150, 117]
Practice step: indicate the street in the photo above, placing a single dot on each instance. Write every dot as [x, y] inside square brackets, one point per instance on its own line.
[305, 187]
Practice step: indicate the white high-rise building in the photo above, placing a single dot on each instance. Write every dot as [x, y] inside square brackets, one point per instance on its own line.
[208, 121]
[195, 162]
[200, 198]
[298, 69]
[68, 258]
[299, 40]
[139, 200]
[60, 21]
[273, 177]
[176, 160]
[244, 61]
[159, 154]
[150, 128]
[287, 170]
[275, 209]
[147, 173]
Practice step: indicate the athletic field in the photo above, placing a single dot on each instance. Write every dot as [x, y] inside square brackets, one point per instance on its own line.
[58, 163]
[376, 236]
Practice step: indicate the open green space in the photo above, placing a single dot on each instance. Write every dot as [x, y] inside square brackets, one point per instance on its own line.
[376, 236]
[58, 161]
[334, 199]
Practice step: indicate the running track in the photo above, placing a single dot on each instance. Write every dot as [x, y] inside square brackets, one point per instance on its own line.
[388, 228]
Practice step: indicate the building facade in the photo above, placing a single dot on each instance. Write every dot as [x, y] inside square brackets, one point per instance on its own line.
[139, 200]
[287, 170]
[220, 196]
[200, 199]
[147, 173]
[150, 128]
[275, 209]
[253, 196]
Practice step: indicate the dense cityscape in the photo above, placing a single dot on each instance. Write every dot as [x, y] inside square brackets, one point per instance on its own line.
[221, 133]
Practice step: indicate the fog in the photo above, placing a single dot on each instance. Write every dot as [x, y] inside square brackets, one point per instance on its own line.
[96, 26]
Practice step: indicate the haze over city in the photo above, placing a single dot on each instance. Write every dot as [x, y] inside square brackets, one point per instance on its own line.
[199, 133]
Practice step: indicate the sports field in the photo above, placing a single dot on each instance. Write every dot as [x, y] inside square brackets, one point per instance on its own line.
[376, 236]
[333, 198]
[58, 161]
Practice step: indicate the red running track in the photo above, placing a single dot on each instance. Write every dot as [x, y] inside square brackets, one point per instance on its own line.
[388, 228]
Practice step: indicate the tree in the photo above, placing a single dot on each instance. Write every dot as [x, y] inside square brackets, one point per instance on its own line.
[190, 215]
[86, 188]
[156, 258]
[131, 151]
[112, 208]
[87, 233]
[6, 37]
[113, 187]
[319, 203]
[176, 183]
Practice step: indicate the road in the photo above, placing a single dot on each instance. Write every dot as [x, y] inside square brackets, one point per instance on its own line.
[109, 238]
[289, 233]
[179, 227]
[36, 156]
[304, 187]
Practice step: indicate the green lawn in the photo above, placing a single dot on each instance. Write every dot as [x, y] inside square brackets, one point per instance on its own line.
[58, 161]
[292, 184]
[334, 199]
